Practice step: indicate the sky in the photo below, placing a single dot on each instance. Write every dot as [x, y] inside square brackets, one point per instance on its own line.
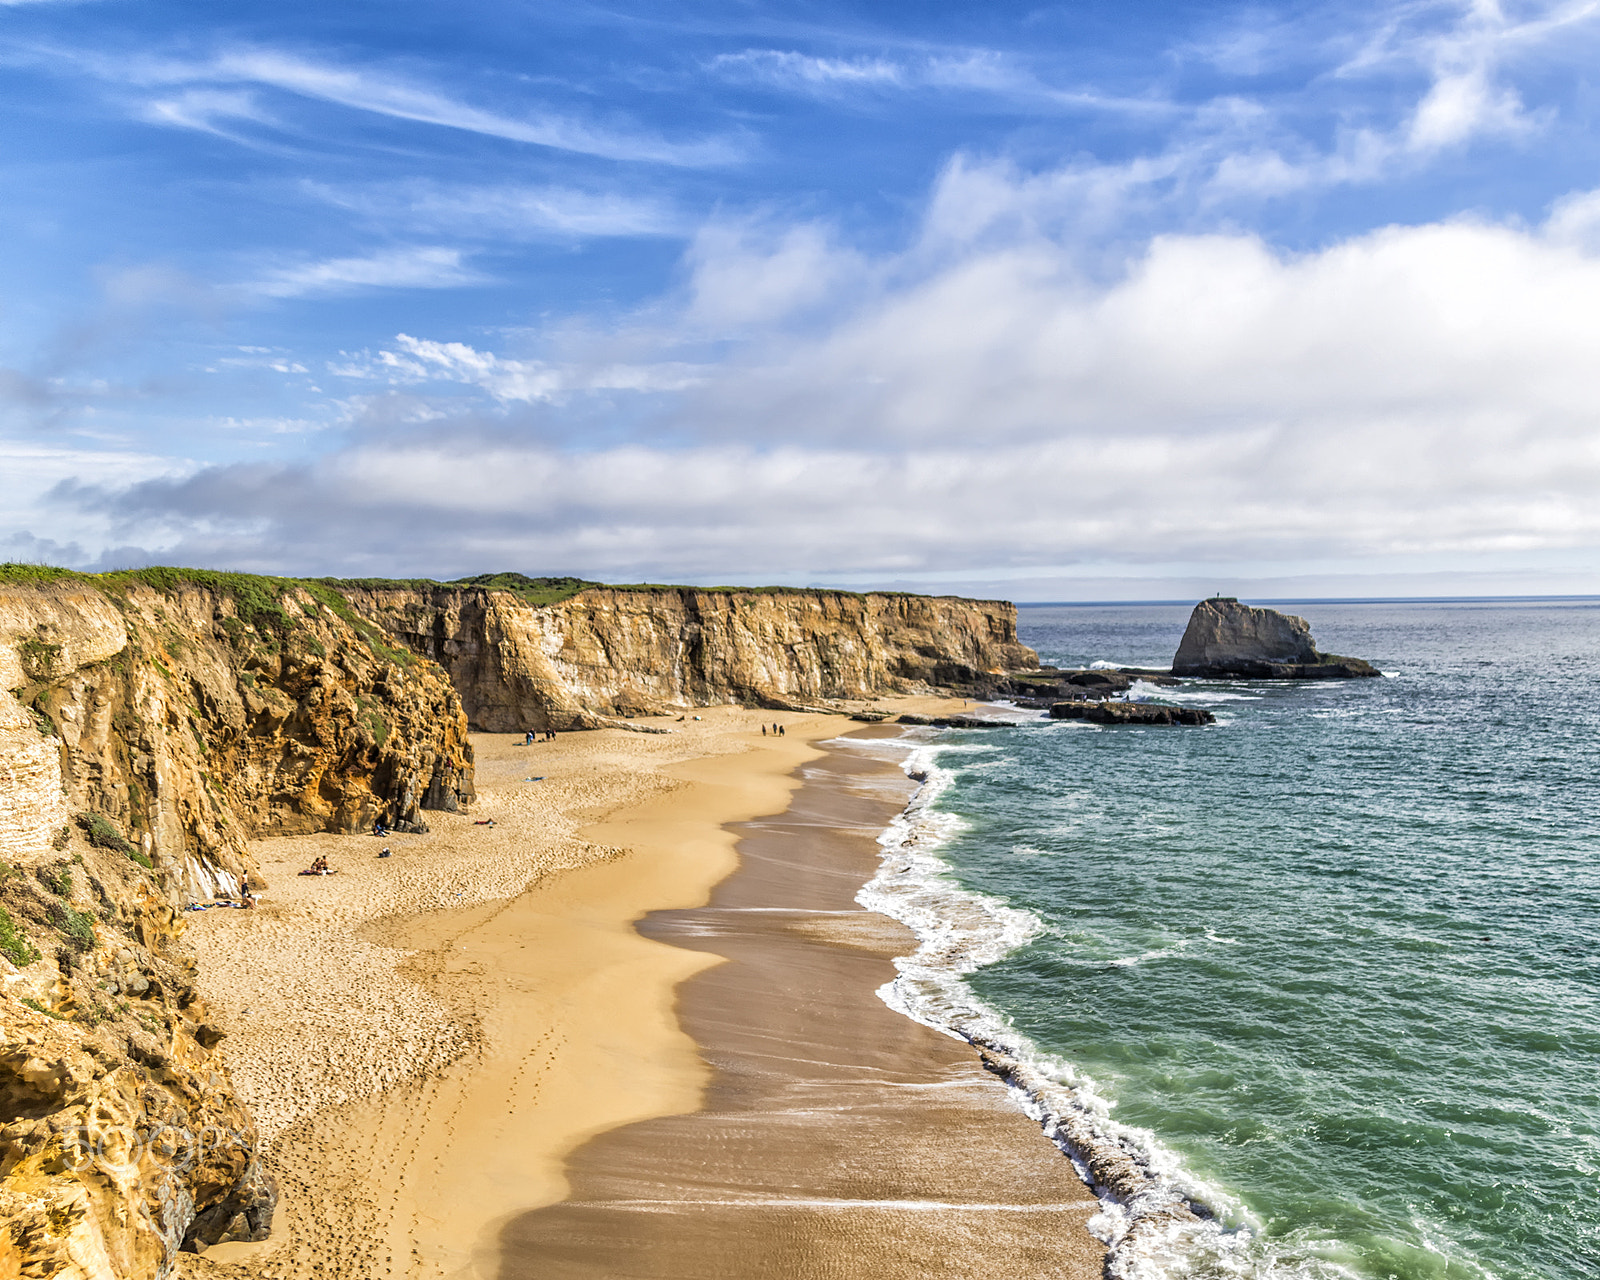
[1102, 300]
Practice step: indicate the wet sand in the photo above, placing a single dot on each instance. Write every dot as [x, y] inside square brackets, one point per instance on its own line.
[837, 1139]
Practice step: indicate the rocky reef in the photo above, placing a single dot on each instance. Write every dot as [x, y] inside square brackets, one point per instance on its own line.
[538, 653]
[151, 723]
[1228, 639]
[1108, 712]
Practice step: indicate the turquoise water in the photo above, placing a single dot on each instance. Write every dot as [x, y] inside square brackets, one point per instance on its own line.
[1334, 961]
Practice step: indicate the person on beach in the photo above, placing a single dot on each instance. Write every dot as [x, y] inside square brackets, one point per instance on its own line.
[780, 731]
[527, 738]
[763, 731]
[378, 827]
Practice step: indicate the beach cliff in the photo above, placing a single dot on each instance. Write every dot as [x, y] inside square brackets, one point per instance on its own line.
[151, 723]
[535, 655]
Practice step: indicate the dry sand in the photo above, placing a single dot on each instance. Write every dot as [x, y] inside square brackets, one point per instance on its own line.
[426, 1040]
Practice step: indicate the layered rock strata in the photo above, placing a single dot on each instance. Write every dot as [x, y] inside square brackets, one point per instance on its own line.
[605, 652]
[151, 723]
[1228, 639]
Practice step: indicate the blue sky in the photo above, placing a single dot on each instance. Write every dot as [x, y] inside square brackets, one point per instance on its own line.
[1090, 300]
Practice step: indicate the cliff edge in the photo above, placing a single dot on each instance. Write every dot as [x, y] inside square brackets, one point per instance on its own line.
[532, 657]
[1228, 639]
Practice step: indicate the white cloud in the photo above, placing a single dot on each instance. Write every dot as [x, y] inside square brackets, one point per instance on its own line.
[507, 381]
[510, 211]
[1420, 392]
[986, 71]
[786, 68]
[744, 274]
[377, 92]
[202, 109]
[425, 267]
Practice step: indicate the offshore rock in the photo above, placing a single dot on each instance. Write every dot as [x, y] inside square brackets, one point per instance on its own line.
[520, 663]
[1130, 713]
[1228, 639]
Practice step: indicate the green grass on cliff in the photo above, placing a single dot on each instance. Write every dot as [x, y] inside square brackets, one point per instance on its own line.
[259, 601]
[534, 591]
[14, 945]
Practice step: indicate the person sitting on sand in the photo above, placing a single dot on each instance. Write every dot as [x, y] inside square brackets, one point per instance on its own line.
[378, 828]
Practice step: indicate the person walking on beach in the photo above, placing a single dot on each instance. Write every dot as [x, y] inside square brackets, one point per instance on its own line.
[763, 731]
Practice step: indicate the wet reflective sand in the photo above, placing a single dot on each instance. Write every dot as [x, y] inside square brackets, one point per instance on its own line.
[838, 1139]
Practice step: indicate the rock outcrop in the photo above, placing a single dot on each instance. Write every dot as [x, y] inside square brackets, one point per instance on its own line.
[1043, 688]
[1107, 712]
[522, 663]
[152, 722]
[1228, 639]
[122, 1138]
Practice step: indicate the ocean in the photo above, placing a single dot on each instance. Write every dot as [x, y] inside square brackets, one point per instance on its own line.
[1327, 970]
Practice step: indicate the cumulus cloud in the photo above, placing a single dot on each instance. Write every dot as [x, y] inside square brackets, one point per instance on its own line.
[1002, 395]
[1423, 391]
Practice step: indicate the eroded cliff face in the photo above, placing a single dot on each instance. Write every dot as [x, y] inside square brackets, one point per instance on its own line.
[148, 729]
[196, 726]
[122, 1138]
[608, 652]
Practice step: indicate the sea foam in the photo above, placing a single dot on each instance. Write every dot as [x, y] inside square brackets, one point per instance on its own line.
[1157, 1219]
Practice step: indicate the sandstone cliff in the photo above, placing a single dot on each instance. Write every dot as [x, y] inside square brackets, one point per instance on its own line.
[523, 663]
[1226, 638]
[150, 724]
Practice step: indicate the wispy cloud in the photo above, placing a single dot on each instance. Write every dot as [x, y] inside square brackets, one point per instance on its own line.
[506, 211]
[383, 93]
[983, 71]
[204, 109]
[787, 68]
[508, 381]
[423, 267]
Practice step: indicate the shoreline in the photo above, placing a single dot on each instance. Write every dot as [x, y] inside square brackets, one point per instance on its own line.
[428, 1041]
[838, 1137]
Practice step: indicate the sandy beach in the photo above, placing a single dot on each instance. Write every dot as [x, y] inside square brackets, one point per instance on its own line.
[465, 1057]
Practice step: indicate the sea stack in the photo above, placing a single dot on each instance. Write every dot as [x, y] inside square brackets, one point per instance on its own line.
[1229, 639]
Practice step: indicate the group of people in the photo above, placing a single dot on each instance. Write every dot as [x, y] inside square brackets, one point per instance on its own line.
[319, 868]
[777, 731]
[538, 735]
